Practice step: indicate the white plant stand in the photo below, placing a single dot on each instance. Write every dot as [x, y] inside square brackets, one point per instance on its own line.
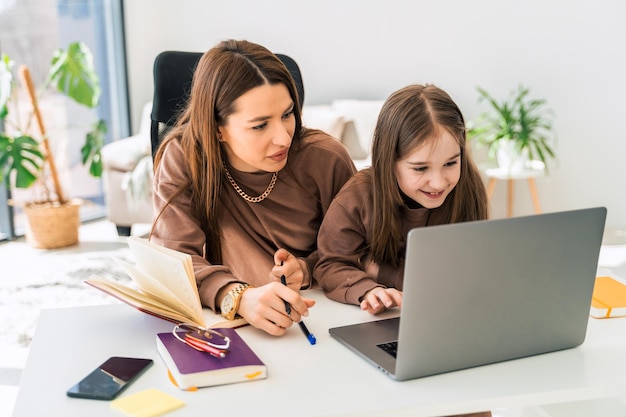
[534, 169]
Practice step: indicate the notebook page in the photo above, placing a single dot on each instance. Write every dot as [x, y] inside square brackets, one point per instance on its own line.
[168, 267]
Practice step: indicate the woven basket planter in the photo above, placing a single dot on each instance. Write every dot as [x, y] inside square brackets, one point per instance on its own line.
[52, 225]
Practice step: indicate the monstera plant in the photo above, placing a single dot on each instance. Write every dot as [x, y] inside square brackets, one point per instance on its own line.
[26, 156]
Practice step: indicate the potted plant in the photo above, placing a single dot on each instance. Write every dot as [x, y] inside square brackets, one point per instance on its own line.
[516, 131]
[26, 157]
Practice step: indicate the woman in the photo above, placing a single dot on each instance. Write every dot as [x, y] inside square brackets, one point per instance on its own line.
[421, 175]
[242, 186]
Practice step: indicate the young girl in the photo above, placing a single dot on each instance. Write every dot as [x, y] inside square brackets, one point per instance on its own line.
[241, 186]
[421, 175]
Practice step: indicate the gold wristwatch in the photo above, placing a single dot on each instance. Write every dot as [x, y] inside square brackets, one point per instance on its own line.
[230, 303]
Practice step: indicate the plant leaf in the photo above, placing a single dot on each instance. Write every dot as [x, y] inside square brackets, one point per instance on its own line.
[91, 150]
[20, 154]
[6, 83]
[73, 74]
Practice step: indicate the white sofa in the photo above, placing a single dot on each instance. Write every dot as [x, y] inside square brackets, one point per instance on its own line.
[350, 121]
[128, 163]
[126, 166]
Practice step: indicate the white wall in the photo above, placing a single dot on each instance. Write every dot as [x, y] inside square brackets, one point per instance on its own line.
[569, 52]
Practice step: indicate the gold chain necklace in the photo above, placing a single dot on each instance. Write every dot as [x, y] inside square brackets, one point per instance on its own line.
[245, 196]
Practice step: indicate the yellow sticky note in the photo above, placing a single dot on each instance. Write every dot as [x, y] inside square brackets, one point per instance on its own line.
[148, 403]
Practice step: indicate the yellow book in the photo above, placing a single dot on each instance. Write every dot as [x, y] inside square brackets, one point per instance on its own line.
[162, 284]
[609, 298]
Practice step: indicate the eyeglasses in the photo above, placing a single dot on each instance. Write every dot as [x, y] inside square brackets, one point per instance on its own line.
[203, 340]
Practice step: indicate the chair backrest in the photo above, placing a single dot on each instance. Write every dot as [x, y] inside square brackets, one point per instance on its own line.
[173, 72]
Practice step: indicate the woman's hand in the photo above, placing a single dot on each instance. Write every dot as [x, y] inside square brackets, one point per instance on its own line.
[379, 299]
[264, 307]
[295, 270]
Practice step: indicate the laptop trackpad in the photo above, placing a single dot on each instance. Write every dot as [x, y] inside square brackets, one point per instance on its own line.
[365, 338]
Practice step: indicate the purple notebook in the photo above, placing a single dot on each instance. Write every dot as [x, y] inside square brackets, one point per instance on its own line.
[193, 369]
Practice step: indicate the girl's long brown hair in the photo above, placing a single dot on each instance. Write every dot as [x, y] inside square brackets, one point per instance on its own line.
[409, 117]
[223, 74]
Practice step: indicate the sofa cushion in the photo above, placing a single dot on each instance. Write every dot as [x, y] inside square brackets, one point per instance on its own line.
[364, 114]
[350, 139]
[323, 117]
[123, 155]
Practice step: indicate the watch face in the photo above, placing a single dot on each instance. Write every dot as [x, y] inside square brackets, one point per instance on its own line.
[227, 304]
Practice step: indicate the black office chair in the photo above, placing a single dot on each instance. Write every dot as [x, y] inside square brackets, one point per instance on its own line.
[173, 72]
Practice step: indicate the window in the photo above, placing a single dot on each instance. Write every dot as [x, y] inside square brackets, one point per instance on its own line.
[30, 32]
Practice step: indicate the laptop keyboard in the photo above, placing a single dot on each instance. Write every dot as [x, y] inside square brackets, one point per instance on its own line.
[389, 347]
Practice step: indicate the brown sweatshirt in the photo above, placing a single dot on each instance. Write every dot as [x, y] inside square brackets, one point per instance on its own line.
[345, 270]
[252, 232]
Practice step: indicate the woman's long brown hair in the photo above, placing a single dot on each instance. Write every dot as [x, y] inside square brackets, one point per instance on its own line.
[223, 74]
[409, 117]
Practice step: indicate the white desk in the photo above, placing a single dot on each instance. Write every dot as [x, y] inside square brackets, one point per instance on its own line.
[303, 380]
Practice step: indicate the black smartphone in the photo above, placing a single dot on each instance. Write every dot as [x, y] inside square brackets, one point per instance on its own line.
[110, 378]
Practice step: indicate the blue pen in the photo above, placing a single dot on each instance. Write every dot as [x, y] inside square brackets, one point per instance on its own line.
[310, 337]
[284, 282]
[308, 334]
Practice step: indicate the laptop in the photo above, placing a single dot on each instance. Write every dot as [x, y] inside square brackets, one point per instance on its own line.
[489, 291]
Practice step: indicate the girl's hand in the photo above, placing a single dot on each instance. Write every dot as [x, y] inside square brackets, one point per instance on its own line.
[264, 307]
[294, 269]
[380, 299]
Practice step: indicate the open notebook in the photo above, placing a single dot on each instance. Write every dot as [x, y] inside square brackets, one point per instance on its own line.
[483, 292]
